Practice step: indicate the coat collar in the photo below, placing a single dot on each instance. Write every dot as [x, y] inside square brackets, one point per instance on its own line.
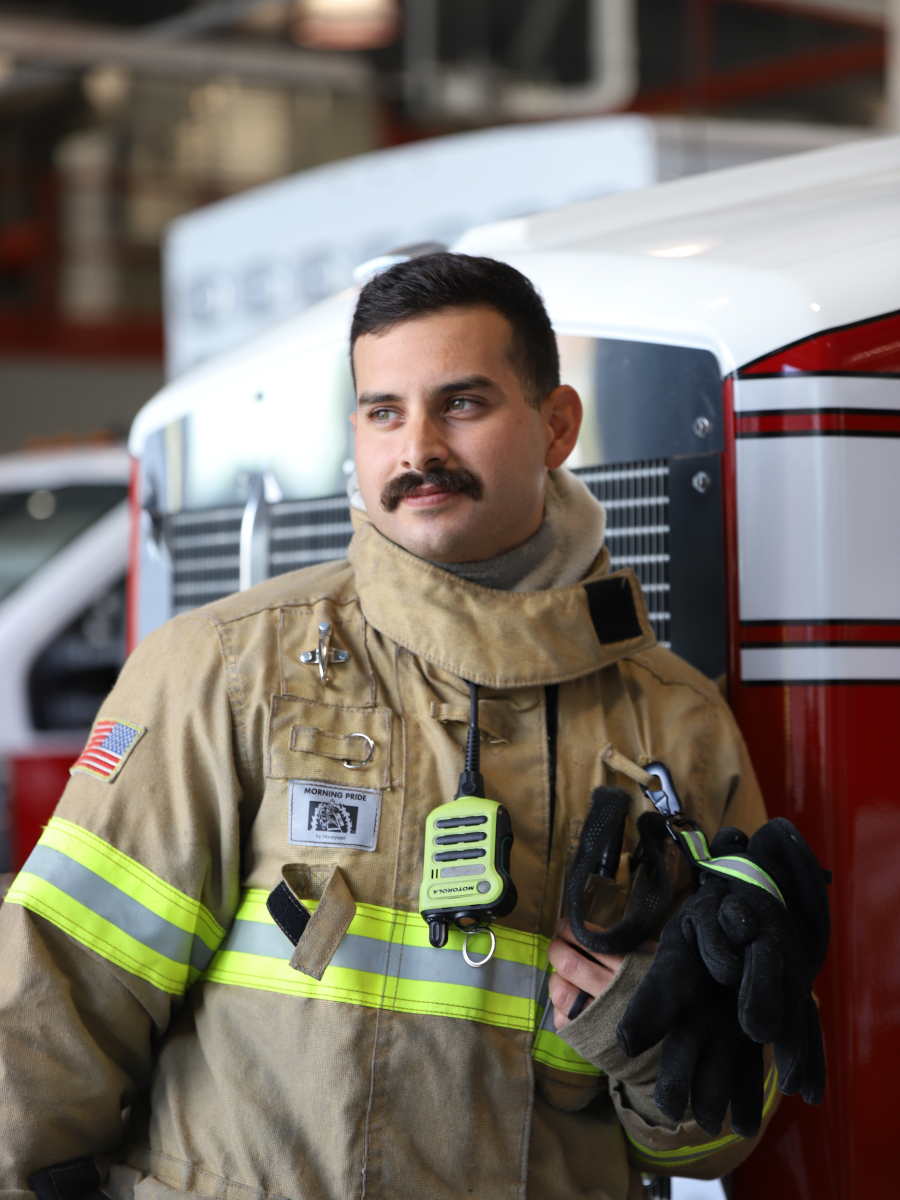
[498, 639]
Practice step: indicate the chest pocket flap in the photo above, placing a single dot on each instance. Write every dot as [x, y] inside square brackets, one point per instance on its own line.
[336, 744]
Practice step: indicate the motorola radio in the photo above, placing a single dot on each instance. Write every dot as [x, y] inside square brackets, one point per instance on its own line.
[465, 875]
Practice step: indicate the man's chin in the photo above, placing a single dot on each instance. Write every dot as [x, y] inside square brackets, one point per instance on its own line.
[426, 535]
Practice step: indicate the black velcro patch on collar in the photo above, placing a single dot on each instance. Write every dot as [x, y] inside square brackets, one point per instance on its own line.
[611, 605]
[75, 1179]
[287, 912]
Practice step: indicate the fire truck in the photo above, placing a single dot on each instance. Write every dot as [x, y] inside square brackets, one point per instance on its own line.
[63, 556]
[736, 340]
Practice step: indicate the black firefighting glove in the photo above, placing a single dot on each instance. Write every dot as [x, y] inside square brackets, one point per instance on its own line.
[706, 1058]
[772, 952]
[598, 854]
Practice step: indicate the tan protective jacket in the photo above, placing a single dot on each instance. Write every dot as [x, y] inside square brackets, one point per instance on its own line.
[154, 1015]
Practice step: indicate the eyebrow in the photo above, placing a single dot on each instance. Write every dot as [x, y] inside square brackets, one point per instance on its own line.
[445, 389]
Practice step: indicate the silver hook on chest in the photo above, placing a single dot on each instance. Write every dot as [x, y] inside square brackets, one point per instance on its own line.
[666, 799]
[323, 656]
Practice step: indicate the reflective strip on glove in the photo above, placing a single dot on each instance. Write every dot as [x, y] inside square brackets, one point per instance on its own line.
[731, 865]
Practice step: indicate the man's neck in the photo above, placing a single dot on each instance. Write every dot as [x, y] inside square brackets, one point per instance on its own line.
[505, 571]
[562, 551]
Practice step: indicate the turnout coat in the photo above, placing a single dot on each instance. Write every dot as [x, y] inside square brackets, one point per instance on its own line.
[154, 1016]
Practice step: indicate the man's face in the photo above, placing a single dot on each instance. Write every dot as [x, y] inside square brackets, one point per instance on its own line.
[438, 394]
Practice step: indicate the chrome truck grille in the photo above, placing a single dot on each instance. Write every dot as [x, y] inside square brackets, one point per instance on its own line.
[205, 544]
[303, 532]
[636, 499]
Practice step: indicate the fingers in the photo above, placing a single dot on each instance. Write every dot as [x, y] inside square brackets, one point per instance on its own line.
[728, 841]
[611, 961]
[585, 974]
[674, 984]
[761, 998]
[737, 921]
[563, 994]
[677, 1060]
[813, 1088]
[781, 850]
[747, 1089]
[723, 961]
[791, 1046]
[712, 1084]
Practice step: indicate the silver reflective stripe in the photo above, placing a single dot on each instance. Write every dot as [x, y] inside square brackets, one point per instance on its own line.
[419, 963]
[742, 868]
[732, 867]
[117, 907]
[696, 843]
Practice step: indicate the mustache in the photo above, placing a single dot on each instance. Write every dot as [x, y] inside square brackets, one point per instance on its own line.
[446, 479]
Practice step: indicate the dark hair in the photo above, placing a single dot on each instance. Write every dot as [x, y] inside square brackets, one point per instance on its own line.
[433, 282]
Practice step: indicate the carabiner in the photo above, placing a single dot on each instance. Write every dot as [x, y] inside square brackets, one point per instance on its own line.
[666, 799]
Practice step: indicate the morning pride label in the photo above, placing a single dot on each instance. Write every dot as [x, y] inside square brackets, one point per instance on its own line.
[324, 815]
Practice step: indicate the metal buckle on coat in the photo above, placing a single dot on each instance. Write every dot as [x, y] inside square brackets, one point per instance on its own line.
[490, 954]
[324, 656]
[666, 801]
[370, 750]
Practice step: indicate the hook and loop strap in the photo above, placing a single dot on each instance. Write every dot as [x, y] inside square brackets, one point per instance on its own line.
[731, 865]
[75, 1179]
[288, 913]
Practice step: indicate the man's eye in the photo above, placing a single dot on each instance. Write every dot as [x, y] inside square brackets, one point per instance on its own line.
[381, 415]
[459, 404]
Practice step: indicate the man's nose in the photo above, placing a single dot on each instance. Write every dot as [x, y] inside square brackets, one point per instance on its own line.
[423, 444]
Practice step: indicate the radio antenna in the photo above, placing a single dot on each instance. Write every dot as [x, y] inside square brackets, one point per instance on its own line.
[471, 782]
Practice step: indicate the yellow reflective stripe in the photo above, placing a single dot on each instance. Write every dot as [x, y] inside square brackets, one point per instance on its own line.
[696, 842]
[689, 1154]
[385, 961]
[99, 934]
[550, 1049]
[109, 902]
[371, 990]
[135, 880]
[513, 945]
[382, 924]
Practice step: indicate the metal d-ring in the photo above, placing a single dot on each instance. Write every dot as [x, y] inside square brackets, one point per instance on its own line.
[365, 762]
[490, 954]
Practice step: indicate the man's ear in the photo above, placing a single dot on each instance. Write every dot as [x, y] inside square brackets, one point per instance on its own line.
[562, 413]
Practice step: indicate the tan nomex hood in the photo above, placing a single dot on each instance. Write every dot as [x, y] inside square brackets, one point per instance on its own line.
[519, 638]
[491, 637]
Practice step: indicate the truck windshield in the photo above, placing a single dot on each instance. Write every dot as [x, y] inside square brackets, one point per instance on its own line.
[36, 525]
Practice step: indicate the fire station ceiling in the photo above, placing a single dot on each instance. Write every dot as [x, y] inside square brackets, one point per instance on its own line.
[458, 63]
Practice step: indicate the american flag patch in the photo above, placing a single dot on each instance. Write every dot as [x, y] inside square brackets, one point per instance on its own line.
[108, 747]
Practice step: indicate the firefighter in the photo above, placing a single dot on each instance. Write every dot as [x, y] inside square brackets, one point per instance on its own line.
[161, 1032]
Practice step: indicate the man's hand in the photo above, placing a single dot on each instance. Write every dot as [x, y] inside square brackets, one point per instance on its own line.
[577, 970]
